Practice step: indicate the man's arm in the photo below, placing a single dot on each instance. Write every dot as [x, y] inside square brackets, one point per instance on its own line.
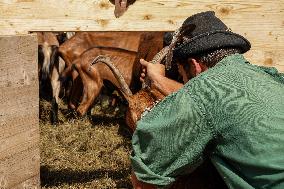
[156, 73]
[171, 138]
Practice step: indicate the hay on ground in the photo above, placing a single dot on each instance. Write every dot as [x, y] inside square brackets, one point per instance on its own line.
[79, 153]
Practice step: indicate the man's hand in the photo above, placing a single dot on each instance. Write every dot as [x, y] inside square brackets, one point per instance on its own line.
[153, 71]
[156, 73]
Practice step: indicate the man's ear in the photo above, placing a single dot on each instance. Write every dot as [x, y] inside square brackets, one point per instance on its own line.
[197, 69]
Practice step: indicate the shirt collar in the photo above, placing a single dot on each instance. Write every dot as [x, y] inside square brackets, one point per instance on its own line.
[235, 58]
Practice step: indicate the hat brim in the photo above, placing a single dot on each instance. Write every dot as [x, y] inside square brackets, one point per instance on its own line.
[205, 43]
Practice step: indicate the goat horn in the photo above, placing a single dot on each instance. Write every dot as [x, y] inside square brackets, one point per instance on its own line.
[166, 52]
[106, 60]
[177, 36]
[156, 60]
[169, 55]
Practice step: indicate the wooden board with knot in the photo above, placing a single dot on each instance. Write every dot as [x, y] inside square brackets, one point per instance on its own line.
[261, 22]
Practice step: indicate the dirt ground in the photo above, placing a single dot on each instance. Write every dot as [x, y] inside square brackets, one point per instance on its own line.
[84, 152]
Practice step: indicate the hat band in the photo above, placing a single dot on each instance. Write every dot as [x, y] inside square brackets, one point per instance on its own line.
[187, 40]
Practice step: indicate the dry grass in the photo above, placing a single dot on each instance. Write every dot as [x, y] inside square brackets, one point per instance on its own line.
[79, 153]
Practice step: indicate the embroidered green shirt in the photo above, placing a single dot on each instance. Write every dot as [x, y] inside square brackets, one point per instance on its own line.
[237, 106]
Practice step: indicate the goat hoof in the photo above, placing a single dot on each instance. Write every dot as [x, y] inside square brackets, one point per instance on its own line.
[53, 118]
[54, 122]
[81, 112]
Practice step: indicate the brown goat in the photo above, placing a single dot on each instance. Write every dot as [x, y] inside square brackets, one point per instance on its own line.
[146, 97]
[82, 41]
[140, 101]
[50, 67]
[92, 77]
[144, 44]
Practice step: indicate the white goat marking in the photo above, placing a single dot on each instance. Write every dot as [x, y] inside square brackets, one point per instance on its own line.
[70, 34]
[46, 49]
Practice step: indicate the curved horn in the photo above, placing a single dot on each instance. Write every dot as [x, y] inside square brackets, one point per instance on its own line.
[169, 55]
[160, 55]
[106, 60]
[177, 36]
[156, 60]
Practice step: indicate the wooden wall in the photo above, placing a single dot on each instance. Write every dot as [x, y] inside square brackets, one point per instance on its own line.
[19, 99]
[261, 21]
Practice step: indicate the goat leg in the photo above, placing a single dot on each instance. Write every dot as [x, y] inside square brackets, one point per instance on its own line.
[91, 89]
[76, 92]
[54, 112]
[91, 92]
[55, 85]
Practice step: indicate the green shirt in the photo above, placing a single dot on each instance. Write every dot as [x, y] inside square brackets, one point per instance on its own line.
[236, 108]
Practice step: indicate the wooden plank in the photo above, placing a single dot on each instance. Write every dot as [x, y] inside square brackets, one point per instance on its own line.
[160, 15]
[260, 21]
[31, 183]
[17, 172]
[19, 98]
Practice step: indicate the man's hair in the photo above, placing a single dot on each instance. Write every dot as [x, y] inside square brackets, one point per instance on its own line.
[211, 58]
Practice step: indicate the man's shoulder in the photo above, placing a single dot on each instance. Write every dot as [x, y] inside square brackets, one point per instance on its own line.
[233, 68]
[233, 64]
[225, 71]
[231, 72]
[235, 74]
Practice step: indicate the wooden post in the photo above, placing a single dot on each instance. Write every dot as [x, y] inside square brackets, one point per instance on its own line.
[19, 117]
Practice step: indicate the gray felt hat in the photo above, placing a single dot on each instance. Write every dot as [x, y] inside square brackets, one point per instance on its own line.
[208, 33]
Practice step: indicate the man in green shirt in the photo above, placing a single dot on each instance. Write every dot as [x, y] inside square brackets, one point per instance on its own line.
[229, 111]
